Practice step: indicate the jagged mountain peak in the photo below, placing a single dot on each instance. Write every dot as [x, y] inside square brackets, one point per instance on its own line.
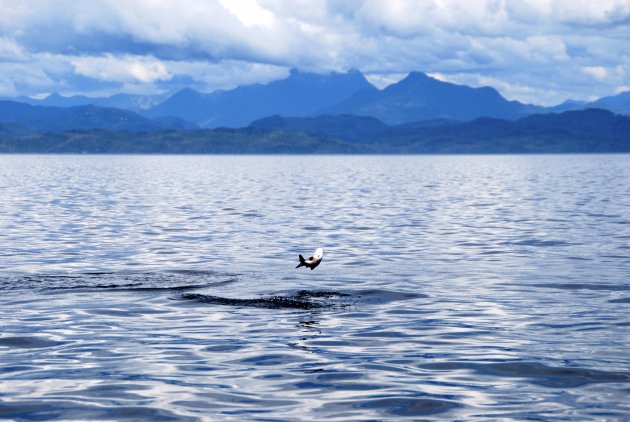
[419, 96]
[300, 94]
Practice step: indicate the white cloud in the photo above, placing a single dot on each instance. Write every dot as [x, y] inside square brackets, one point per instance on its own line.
[121, 69]
[249, 12]
[227, 74]
[10, 51]
[530, 48]
[569, 12]
[22, 78]
[598, 72]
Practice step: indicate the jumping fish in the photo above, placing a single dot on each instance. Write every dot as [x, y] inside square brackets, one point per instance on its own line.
[313, 261]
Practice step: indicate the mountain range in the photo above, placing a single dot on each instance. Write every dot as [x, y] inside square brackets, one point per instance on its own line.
[338, 112]
[301, 94]
[29, 118]
[421, 97]
[417, 97]
[591, 130]
[131, 102]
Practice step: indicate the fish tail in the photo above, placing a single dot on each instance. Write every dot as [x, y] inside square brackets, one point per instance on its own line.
[302, 262]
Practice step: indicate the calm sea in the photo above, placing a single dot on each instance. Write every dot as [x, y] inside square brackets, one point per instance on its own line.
[452, 287]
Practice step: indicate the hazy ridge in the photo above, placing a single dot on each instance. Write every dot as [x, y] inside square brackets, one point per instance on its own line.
[590, 130]
[311, 113]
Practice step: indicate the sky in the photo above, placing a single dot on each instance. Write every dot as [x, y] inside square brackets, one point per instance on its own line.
[535, 51]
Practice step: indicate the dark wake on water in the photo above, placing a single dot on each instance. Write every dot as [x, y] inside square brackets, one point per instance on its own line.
[179, 281]
[302, 300]
[453, 288]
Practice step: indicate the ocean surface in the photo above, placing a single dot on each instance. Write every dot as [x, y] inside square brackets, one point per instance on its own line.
[452, 288]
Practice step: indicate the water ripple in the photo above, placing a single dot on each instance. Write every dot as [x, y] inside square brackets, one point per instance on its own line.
[453, 288]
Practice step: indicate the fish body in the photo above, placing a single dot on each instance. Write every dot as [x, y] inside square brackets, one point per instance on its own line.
[313, 261]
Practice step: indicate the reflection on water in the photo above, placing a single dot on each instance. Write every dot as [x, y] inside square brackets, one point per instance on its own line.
[160, 288]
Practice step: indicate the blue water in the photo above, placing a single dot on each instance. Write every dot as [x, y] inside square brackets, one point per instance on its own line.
[454, 287]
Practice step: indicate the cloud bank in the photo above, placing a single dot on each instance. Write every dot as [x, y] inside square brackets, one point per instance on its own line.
[539, 51]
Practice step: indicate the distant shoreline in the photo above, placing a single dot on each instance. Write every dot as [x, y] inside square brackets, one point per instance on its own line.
[573, 132]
